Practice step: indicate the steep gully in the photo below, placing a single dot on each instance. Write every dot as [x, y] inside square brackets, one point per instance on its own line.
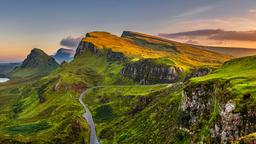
[87, 115]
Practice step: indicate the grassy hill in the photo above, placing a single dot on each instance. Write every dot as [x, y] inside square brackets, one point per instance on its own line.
[37, 63]
[46, 109]
[141, 46]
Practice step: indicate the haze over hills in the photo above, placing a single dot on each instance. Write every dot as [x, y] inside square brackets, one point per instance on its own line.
[139, 89]
[235, 52]
[7, 67]
[207, 38]
[64, 54]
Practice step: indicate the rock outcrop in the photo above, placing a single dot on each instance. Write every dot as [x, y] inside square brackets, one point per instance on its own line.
[148, 72]
[216, 113]
[83, 46]
[197, 73]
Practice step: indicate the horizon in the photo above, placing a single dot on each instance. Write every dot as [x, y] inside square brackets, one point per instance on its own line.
[46, 25]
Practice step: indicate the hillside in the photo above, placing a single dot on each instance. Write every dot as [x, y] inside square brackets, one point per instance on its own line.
[37, 63]
[216, 108]
[235, 52]
[141, 46]
[140, 89]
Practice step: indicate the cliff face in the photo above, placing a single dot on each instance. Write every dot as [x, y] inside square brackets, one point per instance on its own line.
[145, 71]
[148, 72]
[197, 73]
[83, 46]
[210, 114]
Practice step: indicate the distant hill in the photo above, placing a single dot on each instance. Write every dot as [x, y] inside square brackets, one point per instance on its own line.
[37, 63]
[7, 67]
[64, 54]
[232, 51]
[134, 82]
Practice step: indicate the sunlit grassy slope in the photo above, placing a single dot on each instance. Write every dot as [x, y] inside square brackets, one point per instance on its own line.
[37, 63]
[136, 114]
[152, 114]
[47, 110]
[241, 74]
[138, 46]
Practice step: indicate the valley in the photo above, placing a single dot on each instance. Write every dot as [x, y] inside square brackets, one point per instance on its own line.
[133, 88]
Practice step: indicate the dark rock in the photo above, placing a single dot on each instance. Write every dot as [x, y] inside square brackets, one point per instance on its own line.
[147, 72]
[142, 103]
[225, 125]
[114, 56]
[197, 73]
[83, 46]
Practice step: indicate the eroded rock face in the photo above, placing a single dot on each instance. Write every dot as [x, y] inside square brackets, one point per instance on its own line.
[197, 73]
[83, 46]
[147, 72]
[202, 107]
[114, 56]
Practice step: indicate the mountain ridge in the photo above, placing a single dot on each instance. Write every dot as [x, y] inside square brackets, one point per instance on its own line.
[37, 63]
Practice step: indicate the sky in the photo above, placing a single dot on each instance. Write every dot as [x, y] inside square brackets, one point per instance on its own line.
[46, 24]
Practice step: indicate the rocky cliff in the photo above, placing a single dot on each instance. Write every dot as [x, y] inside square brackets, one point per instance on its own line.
[144, 71]
[85, 46]
[147, 72]
[211, 115]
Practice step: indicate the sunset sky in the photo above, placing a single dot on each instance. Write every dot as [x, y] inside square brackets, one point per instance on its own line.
[26, 24]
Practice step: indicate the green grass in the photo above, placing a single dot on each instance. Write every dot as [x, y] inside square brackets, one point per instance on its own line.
[28, 128]
[54, 98]
[240, 74]
[47, 110]
[135, 114]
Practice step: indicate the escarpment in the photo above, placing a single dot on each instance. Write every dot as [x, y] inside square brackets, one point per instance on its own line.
[145, 71]
[210, 114]
[148, 72]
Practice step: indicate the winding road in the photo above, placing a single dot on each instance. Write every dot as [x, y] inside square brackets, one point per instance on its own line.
[88, 116]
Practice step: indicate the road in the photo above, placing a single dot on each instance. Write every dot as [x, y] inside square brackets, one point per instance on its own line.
[87, 115]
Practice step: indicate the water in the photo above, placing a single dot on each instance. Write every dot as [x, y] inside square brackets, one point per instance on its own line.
[2, 80]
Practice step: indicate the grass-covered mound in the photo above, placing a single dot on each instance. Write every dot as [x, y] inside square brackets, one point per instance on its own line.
[37, 63]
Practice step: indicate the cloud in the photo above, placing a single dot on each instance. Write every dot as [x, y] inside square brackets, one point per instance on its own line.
[215, 34]
[71, 42]
[252, 11]
[194, 11]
